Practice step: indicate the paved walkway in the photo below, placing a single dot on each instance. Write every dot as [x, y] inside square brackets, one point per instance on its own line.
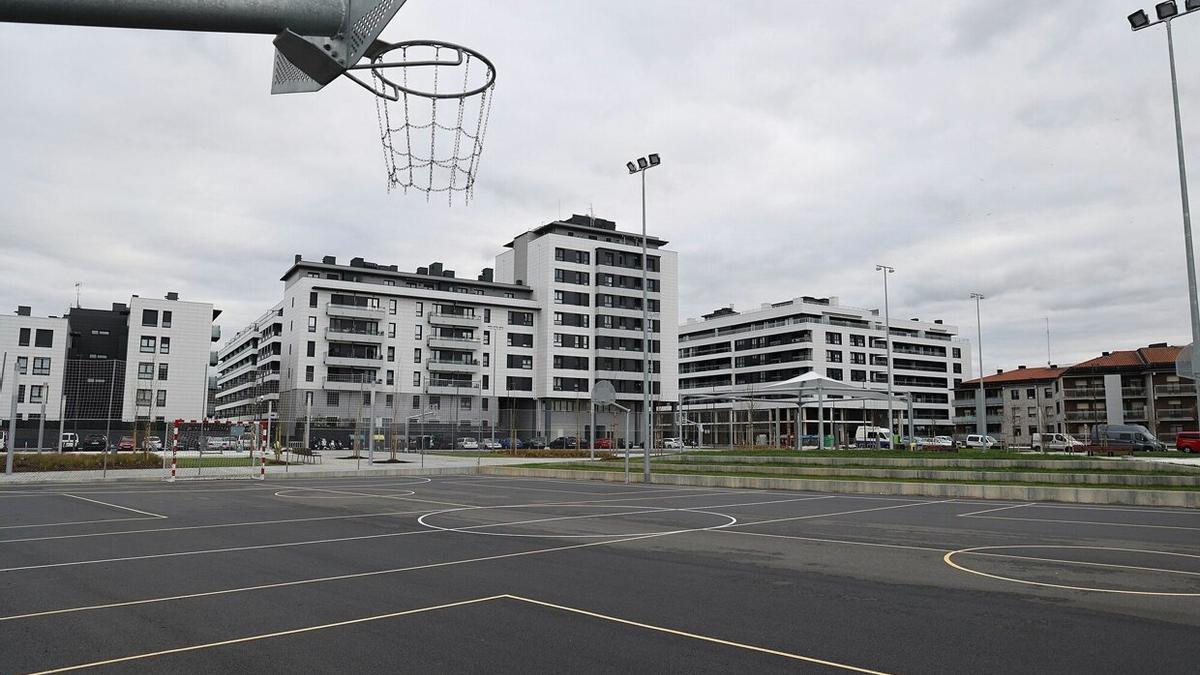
[331, 465]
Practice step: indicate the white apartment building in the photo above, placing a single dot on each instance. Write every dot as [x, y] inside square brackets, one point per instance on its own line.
[167, 358]
[516, 349]
[729, 351]
[36, 349]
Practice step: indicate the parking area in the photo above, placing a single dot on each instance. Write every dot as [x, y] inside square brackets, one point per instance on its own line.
[476, 572]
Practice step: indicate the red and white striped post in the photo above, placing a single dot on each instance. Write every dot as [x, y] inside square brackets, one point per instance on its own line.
[262, 471]
[174, 448]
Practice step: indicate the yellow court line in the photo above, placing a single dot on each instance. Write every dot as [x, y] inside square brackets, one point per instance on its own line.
[703, 638]
[115, 506]
[267, 636]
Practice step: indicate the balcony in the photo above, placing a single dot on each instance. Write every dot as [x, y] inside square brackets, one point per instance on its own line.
[1175, 389]
[348, 382]
[1087, 416]
[452, 387]
[1133, 392]
[1135, 414]
[216, 333]
[354, 311]
[345, 335]
[458, 320]
[354, 361]
[1176, 414]
[1083, 392]
[453, 365]
[444, 342]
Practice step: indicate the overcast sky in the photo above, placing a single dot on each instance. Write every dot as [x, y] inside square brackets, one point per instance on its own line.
[1023, 150]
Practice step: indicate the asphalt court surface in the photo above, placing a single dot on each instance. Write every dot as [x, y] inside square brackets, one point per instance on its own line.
[473, 573]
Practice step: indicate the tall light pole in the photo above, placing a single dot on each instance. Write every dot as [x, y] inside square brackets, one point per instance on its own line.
[980, 420]
[641, 165]
[1166, 12]
[497, 329]
[887, 333]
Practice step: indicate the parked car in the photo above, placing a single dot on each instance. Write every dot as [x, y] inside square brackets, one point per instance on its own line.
[941, 442]
[97, 442]
[3, 440]
[466, 444]
[1133, 436]
[537, 442]
[68, 441]
[672, 443]
[1055, 442]
[152, 443]
[980, 442]
[604, 444]
[1187, 441]
[126, 443]
[564, 442]
[871, 437]
[220, 443]
[512, 443]
[420, 442]
[490, 444]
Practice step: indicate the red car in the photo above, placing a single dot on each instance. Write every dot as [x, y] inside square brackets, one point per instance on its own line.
[1187, 441]
[604, 444]
[126, 443]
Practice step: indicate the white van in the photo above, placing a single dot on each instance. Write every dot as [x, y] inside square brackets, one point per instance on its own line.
[69, 441]
[981, 442]
[1055, 442]
[873, 437]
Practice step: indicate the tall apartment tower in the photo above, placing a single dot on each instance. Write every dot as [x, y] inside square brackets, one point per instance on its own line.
[587, 277]
[167, 358]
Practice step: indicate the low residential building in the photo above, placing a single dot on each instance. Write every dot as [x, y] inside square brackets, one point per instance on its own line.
[1018, 403]
[743, 352]
[34, 349]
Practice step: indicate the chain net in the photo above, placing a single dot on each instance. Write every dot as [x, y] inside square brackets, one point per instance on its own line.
[432, 140]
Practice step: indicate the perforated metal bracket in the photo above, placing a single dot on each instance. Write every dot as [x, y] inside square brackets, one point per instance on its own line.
[306, 63]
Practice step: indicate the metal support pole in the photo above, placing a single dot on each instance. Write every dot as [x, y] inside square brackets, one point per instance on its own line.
[592, 432]
[820, 418]
[12, 422]
[269, 407]
[912, 435]
[887, 334]
[42, 420]
[1187, 213]
[306, 17]
[371, 430]
[980, 408]
[649, 437]
[307, 422]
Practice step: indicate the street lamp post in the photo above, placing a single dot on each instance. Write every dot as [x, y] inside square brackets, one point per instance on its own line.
[980, 410]
[495, 337]
[641, 165]
[887, 334]
[1167, 12]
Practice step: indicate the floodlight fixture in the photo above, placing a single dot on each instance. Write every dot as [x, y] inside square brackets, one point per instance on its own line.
[654, 159]
[1138, 20]
[631, 166]
[1166, 10]
[642, 163]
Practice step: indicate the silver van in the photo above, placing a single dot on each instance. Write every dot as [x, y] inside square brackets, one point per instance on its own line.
[1056, 443]
[1133, 436]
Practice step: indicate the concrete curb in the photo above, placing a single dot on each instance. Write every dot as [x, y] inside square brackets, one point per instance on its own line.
[803, 471]
[51, 478]
[1020, 493]
[930, 463]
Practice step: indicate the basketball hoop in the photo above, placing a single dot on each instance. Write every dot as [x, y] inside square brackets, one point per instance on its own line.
[433, 113]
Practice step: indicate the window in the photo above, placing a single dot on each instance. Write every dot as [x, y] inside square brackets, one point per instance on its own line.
[487, 315]
[858, 376]
[23, 341]
[312, 324]
[465, 403]
[23, 365]
[1031, 393]
[312, 298]
[520, 361]
[417, 379]
[391, 354]
[416, 331]
[834, 373]
[582, 320]
[417, 355]
[483, 403]
[148, 344]
[311, 348]
[858, 341]
[1014, 394]
[43, 338]
[143, 397]
[487, 337]
[486, 384]
[956, 352]
[420, 308]
[520, 318]
[309, 373]
[858, 357]
[571, 362]
[833, 356]
[520, 340]
[1032, 411]
[391, 378]
[150, 317]
[520, 384]
[578, 384]
[35, 393]
[958, 367]
[572, 277]
[20, 393]
[569, 340]
[332, 398]
[573, 256]
[162, 372]
[160, 397]
[486, 359]
[164, 345]
[1046, 393]
[416, 403]
[833, 338]
[388, 399]
[166, 319]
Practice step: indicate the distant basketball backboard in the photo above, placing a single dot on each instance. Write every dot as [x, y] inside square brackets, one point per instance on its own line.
[1185, 365]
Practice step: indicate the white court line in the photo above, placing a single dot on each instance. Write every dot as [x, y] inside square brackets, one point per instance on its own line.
[842, 513]
[318, 580]
[115, 506]
[266, 636]
[696, 636]
[1157, 509]
[574, 492]
[462, 603]
[76, 522]
[1085, 562]
[206, 527]
[364, 494]
[835, 541]
[1088, 522]
[999, 508]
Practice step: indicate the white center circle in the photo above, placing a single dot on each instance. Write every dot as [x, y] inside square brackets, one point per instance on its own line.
[625, 510]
